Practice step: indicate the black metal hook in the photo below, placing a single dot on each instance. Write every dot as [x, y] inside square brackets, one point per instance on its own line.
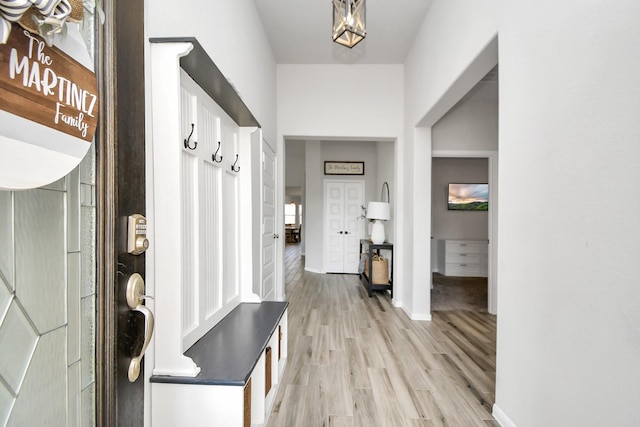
[214, 156]
[233, 166]
[186, 141]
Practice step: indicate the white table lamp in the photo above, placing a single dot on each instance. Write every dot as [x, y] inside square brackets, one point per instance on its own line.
[378, 211]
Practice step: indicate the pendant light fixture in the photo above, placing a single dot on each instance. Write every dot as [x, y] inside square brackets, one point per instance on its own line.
[349, 22]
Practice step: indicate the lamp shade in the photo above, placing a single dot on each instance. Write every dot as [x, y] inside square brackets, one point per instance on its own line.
[379, 210]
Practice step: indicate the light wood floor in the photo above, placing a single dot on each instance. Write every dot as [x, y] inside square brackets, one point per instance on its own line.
[359, 361]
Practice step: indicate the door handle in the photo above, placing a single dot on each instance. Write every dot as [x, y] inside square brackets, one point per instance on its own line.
[276, 236]
[341, 232]
[135, 298]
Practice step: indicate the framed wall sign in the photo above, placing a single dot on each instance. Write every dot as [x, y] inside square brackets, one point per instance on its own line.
[48, 107]
[343, 168]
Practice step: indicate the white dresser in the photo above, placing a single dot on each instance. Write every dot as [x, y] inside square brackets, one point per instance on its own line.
[463, 258]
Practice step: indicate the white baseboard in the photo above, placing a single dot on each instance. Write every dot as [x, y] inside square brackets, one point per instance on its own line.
[313, 270]
[426, 317]
[417, 316]
[501, 417]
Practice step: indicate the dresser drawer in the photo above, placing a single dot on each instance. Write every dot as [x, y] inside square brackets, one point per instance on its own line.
[457, 258]
[464, 258]
[464, 270]
[462, 247]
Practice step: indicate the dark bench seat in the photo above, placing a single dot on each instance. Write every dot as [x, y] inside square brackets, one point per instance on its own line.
[228, 353]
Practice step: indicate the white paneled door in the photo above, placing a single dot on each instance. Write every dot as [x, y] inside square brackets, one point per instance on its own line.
[268, 222]
[344, 225]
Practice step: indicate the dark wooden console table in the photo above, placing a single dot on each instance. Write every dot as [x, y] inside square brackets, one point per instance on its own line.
[366, 276]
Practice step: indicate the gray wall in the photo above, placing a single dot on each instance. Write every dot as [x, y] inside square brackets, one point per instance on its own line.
[448, 224]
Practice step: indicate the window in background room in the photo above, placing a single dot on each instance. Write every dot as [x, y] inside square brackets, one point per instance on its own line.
[290, 213]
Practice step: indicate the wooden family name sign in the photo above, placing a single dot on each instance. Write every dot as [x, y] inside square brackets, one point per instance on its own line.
[45, 85]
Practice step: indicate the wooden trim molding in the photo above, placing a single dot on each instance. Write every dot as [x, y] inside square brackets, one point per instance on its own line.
[106, 218]
[120, 171]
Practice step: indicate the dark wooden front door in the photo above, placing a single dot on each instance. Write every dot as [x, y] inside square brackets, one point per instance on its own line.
[120, 192]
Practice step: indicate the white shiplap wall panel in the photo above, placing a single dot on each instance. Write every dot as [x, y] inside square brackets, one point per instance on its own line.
[212, 242]
[210, 200]
[190, 241]
[230, 236]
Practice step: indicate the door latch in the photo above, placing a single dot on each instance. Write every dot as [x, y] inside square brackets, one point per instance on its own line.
[135, 298]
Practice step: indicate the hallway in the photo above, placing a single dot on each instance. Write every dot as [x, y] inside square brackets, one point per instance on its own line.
[359, 361]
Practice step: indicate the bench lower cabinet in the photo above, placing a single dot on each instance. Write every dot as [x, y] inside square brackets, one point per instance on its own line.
[218, 396]
[198, 405]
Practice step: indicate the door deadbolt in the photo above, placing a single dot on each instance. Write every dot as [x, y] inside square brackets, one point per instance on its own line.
[137, 241]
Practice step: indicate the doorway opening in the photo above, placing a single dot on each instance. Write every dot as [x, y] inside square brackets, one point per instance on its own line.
[459, 254]
[304, 172]
[465, 150]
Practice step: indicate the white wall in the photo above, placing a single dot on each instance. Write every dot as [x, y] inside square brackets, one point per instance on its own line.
[233, 36]
[568, 341]
[294, 161]
[342, 101]
[313, 197]
[472, 124]
[454, 48]
[569, 235]
[437, 68]
[387, 173]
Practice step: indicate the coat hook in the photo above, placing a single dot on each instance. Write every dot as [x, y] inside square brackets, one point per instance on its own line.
[214, 156]
[186, 141]
[234, 167]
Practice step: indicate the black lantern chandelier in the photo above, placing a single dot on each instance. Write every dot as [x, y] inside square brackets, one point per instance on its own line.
[349, 22]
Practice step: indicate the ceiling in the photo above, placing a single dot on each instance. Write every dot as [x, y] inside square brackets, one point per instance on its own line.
[299, 31]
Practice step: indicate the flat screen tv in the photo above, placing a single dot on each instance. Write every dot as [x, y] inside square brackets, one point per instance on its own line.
[468, 197]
